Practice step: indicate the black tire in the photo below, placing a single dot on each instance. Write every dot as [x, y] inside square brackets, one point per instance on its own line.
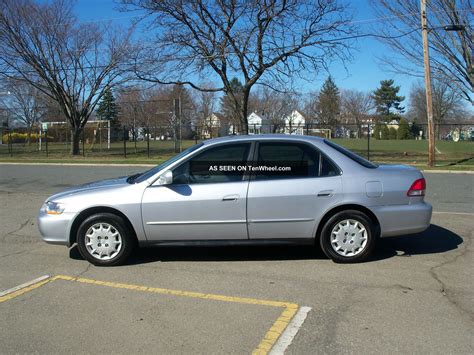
[127, 239]
[362, 252]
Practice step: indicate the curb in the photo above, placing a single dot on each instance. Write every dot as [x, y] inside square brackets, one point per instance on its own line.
[447, 171]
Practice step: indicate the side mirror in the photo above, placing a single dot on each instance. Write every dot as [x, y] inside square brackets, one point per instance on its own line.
[166, 178]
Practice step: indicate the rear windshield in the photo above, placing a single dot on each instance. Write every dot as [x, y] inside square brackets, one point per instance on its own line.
[351, 155]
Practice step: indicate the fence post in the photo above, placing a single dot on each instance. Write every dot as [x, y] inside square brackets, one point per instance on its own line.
[368, 141]
[46, 142]
[148, 141]
[10, 143]
[307, 129]
[83, 141]
[124, 142]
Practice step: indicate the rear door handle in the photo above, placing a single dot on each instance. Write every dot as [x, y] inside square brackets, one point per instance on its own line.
[325, 193]
[230, 198]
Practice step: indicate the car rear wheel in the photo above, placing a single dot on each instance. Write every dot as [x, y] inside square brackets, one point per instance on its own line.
[348, 237]
[104, 240]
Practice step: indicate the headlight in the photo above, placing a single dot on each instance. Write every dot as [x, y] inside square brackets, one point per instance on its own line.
[54, 207]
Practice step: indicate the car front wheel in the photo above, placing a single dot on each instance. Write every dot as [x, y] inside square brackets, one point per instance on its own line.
[348, 237]
[104, 240]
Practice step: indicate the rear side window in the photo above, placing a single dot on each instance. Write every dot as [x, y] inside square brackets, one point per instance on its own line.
[351, 155]
[303, 161]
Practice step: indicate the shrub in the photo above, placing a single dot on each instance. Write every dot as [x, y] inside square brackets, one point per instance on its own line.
[403, 130]
[385, 132]
[22, 137]
[392, 133]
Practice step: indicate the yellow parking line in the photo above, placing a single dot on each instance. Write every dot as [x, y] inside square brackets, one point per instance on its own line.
[265, 345]
[23, 290]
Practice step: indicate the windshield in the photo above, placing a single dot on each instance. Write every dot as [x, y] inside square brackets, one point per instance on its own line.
[351, 155]
[148, 174]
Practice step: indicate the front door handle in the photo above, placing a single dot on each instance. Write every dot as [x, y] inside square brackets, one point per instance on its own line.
[230, 198]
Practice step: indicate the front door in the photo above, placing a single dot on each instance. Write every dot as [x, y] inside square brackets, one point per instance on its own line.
[200, 204]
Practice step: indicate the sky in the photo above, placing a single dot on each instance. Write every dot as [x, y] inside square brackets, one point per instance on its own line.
[363, 73]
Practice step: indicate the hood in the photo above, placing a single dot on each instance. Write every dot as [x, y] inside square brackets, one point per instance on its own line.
[96, 185]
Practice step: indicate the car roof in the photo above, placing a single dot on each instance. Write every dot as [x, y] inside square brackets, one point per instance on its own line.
[262, 137]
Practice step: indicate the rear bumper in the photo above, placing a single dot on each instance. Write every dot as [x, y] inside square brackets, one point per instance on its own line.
[403, 219]
[54, 229]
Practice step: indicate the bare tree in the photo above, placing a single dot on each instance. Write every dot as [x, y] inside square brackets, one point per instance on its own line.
[450, 51]
[275, 106]
[24, 103]
[447, 104]
[206, 107]
[266, 42]
[356, 106]
[43, 44]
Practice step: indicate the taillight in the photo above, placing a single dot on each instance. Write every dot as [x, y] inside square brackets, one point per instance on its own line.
[417, 188]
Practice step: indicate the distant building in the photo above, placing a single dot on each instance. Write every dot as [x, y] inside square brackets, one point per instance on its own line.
[258, 124]
[294, 123]
[211, 126]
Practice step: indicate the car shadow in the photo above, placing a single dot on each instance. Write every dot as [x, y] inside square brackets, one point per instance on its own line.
[435, 239]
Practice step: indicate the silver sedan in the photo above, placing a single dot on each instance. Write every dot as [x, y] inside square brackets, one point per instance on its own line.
[258, 189]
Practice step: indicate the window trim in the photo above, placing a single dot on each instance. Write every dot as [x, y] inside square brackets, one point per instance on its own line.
[309, 145]
[351, 155]
[246, 175]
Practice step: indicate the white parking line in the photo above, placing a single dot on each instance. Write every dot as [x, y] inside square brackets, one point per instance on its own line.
[455, 213]
[290, 332]
[26, 284]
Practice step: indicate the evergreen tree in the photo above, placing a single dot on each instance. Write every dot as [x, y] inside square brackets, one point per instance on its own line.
[329, 103]
[387, 101]
[107, 109]
[403, 130]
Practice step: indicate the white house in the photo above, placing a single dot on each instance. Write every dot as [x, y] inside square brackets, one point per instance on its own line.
[295, 123]
[210, 127]
[258, 124]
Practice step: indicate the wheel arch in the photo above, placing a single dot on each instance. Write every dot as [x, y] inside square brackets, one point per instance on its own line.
[94, 210]
[346, 207]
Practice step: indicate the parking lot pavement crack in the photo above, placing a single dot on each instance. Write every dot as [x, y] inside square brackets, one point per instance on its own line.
[444, 289]
[16, 253]
[13, 232]
[85, 270]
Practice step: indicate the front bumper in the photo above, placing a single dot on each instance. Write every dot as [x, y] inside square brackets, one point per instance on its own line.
[403, 219]
[55, 229]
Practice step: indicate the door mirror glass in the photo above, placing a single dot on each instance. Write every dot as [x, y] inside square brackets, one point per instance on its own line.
[166, 178]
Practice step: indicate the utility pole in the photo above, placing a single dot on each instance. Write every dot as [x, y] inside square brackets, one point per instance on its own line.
[429, 100]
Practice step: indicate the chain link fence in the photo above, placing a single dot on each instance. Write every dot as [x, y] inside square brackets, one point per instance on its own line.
[378, 142]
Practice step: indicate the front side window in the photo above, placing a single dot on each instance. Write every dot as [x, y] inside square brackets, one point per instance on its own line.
[215, 165]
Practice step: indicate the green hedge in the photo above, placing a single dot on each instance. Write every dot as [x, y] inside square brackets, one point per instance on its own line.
[22, 137]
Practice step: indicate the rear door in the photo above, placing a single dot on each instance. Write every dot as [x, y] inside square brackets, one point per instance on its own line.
[288, 205]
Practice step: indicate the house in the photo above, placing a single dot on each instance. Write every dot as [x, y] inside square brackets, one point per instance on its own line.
[394, 124]
[295, 123]
[211, 126]
[258, 124]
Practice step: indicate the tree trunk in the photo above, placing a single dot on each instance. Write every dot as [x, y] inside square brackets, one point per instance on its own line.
[76, 137]
[244, 112]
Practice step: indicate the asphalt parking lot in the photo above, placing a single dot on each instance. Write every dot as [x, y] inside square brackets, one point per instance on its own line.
[415, 296]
